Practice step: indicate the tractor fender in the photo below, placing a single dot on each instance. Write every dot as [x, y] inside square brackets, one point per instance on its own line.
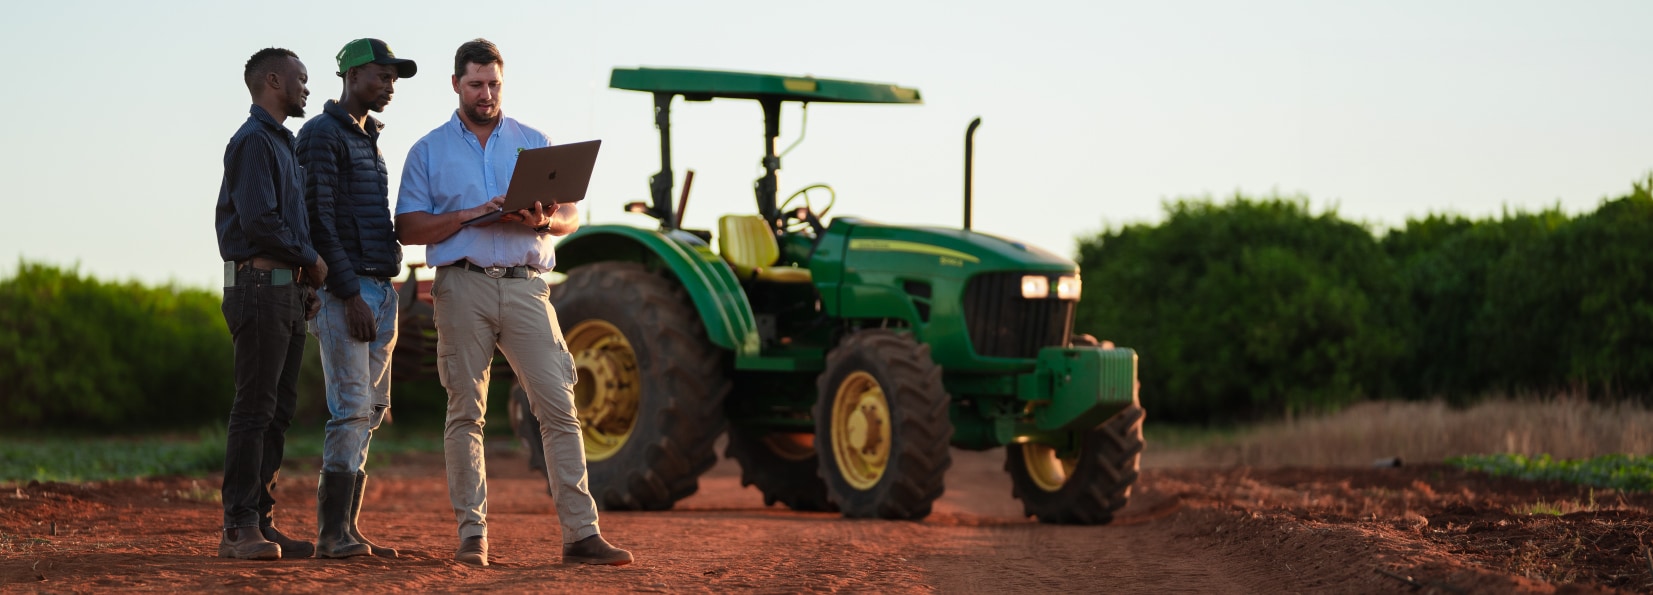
[711, 285]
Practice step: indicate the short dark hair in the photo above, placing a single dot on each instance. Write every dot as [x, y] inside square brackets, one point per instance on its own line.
[262, 63]
[476, 51]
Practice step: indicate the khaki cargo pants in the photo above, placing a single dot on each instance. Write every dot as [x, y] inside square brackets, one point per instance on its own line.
[475, 314]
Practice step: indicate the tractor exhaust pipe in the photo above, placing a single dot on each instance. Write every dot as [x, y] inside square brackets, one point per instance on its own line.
[969, 164]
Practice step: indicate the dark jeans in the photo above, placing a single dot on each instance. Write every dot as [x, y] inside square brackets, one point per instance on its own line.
[267, 326]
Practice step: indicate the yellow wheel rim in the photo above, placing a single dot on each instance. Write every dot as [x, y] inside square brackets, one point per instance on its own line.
[609, 387]
[1047, 470]
[792, 446]
[861, 430]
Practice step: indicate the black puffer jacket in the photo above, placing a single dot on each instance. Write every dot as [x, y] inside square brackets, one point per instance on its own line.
[347, 191]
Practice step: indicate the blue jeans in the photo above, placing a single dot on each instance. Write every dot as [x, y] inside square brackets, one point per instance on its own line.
[358, 374]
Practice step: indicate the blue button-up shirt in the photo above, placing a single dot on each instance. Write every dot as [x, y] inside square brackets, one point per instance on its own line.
[448, 170]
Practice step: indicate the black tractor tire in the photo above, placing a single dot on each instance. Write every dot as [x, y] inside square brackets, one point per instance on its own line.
[916, 455]
[1099, 483]
[683, 380]
[783, 465]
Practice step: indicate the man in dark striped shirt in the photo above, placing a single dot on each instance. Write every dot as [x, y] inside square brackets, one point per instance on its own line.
[270, 275]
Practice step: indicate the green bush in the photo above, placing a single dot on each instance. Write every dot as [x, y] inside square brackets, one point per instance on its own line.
[75, 351]
[1530, 302]
[1257, 307]
[1252, 308]
[1446, 265]
[1600, 281]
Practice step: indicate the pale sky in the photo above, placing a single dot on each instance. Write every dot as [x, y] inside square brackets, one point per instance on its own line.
[1093, 112]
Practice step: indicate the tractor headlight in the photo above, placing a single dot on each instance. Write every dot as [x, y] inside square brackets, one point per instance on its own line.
[1067, 287]
[1035, 287]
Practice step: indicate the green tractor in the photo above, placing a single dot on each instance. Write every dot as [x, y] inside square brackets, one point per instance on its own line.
[843, 357]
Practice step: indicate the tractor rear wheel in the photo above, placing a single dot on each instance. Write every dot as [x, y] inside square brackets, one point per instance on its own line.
[1083, 489]
[881, 426]
[651, 385]
[783, 465]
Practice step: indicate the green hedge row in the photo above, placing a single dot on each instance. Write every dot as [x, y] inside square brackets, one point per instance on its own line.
[1259, 307]
[75, 351]
[1246, 309]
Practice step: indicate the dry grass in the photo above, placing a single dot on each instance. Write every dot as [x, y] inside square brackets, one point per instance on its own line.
[1560, 507]
[1428, 432]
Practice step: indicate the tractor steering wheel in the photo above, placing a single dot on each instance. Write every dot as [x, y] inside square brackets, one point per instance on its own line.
[805, 216]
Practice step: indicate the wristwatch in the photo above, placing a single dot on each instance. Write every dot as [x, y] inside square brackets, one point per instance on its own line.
[543, 228]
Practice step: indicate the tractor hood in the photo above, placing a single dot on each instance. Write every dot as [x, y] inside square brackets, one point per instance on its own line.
[962, 292]
[867, 245]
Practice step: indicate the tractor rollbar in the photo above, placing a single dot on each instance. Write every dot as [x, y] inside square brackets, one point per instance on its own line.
[766, 186]
[969, 165]
[660, 184]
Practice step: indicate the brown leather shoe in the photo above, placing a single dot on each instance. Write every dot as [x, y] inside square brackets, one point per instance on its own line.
[473, 550]
[290, 548]
[593, 550]
[246, 543]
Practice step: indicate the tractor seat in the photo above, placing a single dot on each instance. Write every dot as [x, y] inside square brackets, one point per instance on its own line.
[749, 247]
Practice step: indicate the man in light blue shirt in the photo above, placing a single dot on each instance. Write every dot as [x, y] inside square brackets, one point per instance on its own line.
[490, 293]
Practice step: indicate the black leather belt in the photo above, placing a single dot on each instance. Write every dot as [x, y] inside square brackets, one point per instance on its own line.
[516, 272]
[280, 273]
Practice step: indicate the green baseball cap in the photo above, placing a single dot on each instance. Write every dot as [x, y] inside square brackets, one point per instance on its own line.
[372, 51]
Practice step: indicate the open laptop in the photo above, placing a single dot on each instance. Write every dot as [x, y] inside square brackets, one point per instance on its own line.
[558, 173]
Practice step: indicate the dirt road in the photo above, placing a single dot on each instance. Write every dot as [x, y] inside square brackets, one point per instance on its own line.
[1409, 529]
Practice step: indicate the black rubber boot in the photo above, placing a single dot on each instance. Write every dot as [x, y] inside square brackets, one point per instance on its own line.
[333, 496]
[356, 511]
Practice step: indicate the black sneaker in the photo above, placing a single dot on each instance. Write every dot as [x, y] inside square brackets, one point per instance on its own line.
[593, 550]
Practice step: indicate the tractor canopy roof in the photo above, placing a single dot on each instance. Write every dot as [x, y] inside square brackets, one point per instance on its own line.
[704, 85]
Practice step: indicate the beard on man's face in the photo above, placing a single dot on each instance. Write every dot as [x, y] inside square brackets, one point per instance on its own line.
[295, 104]
[475, 114]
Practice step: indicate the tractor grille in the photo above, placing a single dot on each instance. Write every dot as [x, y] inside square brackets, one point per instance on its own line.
[1004, 324]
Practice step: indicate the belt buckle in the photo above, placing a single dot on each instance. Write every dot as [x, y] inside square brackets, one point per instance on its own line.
[494, 272]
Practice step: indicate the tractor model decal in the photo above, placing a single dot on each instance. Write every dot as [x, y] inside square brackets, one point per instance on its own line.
[953, 257]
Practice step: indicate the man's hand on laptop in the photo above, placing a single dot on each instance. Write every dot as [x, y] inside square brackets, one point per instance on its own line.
[537, 217]
[492, 205]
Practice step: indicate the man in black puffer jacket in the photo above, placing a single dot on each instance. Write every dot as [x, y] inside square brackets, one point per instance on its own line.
[347, 189]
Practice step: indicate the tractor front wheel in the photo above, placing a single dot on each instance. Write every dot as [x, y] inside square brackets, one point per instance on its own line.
[881, 426]
[1087, 487]
[783, 465]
